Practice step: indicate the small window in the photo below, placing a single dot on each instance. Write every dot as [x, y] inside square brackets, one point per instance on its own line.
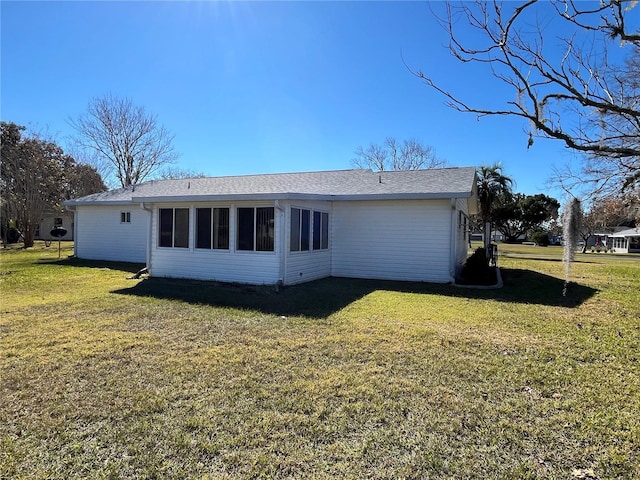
[125, 217]
[57, 222]
[173, 227]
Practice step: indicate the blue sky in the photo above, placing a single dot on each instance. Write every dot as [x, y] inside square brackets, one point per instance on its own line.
[255, 87]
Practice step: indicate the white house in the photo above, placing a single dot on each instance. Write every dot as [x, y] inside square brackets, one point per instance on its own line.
[53, 220]
[625, 241]
[286, 228]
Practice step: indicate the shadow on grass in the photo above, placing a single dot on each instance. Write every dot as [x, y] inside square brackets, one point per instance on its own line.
[103, 264]
[527, 286]
[321, 298]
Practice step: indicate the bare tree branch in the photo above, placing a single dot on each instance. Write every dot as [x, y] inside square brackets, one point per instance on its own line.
[574, 95]
[410, 155]
[125, 135]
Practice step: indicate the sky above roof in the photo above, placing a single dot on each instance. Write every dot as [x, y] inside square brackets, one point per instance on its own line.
[263, 87]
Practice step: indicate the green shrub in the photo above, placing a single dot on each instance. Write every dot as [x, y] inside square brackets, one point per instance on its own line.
[476, 270]
[541, 239]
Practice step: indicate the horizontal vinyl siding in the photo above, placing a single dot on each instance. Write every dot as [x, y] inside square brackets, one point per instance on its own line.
[395, 240]
[218, 265]
[100, 235]
[307, 266]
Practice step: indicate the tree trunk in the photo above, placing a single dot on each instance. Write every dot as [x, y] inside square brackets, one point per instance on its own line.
[487, 239]
[27, 236]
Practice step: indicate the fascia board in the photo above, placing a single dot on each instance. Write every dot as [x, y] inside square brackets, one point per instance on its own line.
[300, 196]
[101, 203]
[231, 198]
[403, 196]
[272, 197]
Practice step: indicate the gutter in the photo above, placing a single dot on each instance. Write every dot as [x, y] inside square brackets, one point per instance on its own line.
[144, 207]
[283, 243]
[294, 196]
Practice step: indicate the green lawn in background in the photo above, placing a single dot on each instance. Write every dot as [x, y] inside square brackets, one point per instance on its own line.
[104, 377]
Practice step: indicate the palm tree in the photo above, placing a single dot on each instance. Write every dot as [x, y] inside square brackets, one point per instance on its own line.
[492, 185]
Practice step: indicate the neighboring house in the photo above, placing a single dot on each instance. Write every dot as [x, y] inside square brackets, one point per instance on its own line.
[625, 241]
[620, 240]
[496, 236]
[52, 220]
[286, 228]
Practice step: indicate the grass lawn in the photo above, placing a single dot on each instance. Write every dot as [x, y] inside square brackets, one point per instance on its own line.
[104, 377]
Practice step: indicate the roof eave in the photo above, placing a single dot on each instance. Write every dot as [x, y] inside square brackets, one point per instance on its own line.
[300, 196]
[403, 196]
[101, 203]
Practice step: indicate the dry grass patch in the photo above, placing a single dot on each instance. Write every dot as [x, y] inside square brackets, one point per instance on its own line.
[115, 378]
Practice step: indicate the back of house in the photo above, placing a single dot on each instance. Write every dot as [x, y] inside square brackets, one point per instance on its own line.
[286, 228]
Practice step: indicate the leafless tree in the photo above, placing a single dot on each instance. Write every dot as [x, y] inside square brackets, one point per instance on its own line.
[128, 137]
[609, 212]
[177, 173]
[579, 93]
[410, 155]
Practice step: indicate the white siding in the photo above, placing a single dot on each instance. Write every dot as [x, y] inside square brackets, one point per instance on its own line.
[47, 224]
[309, 265]
[219, 265]
[100, 235]
[395, 240]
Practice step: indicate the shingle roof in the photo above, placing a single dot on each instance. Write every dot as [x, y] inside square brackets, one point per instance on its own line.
[631, 232]
[456, 182]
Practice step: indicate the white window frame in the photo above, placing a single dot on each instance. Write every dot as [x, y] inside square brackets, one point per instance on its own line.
[296, 244]
[213, 228]
[321, 239]
[173, 227]
[271, 227]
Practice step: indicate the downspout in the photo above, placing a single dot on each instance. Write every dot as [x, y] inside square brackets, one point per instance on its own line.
[282, 243]
[144, 207]
[453, 243]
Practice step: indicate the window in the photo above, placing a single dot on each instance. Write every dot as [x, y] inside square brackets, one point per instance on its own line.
[463, 224]
[174, 227]
[212, 228]
[303, 236]
[256, 229]
[300, 228]
[57, 222]
[320, 230]
[125, 217]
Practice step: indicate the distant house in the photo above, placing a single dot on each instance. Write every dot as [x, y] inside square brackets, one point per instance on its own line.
[286, 228]
[625, 241]
[52, 220]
